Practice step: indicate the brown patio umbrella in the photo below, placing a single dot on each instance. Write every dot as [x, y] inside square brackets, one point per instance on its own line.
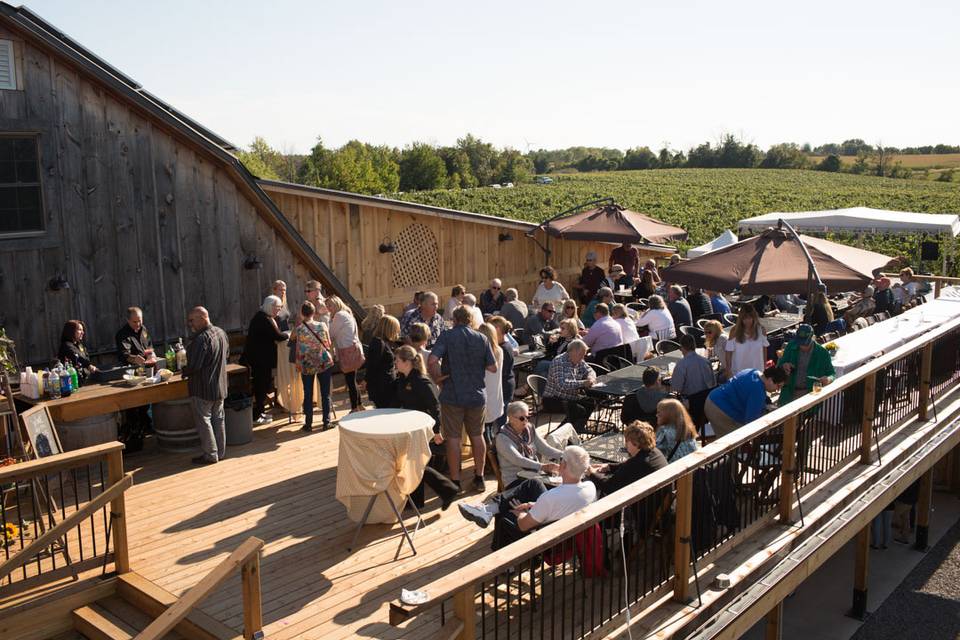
[774, 262]
[613, 223]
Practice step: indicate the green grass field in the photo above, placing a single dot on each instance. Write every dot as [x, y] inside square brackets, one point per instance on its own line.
[707, 201]
[914, 161]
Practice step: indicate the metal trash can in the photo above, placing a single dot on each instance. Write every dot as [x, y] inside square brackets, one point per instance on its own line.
[238, 418]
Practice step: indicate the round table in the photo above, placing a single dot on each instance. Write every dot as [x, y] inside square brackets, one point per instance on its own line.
[382, 453]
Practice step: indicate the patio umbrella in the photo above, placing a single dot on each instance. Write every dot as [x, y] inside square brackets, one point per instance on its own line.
[612, 223]
[775, 262]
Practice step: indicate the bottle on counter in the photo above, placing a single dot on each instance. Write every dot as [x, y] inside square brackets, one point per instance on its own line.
[170, 356]
[181, 355]
[53, 384]
[66, 384]
[74, 377]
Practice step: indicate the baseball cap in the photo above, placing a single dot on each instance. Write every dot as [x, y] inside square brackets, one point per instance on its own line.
[804, 335]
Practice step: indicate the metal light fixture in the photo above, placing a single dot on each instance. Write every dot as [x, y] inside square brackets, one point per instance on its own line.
[505, 237]
[252, 262]
[387, 246]
[58, 282]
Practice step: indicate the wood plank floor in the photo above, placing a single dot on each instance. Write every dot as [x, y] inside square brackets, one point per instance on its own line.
[184, 519]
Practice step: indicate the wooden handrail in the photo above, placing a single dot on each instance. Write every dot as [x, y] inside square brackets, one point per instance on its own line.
[51, 464]
[548, 536]
[52, 535]
[241, 556]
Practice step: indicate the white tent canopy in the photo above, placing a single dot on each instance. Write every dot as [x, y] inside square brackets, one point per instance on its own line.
[858, 220]
[725, 239]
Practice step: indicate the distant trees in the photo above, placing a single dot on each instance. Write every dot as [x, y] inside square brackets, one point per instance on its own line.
[471, 162]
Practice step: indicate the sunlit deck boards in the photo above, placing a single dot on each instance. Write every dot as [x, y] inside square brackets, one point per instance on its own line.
[183, 519]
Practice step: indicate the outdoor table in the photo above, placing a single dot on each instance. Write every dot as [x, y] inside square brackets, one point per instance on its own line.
[774, 324]
[111, 397]
[383, 453]
[625, 381]
[607, 447]
[525, 358]
[624, 295]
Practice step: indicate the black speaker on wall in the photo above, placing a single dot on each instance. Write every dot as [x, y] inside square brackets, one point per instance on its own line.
[929, 250]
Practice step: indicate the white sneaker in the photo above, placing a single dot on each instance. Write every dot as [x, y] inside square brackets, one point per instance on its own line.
[476, 514]
[264, 419]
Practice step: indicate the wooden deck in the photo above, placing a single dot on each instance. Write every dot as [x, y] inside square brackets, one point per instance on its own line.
[183, 519]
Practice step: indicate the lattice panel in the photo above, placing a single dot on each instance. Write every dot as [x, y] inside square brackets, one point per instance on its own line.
[415, 260]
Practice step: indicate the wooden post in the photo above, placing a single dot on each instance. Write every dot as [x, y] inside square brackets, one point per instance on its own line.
[252, 600]
[866, 427]
[924, 502]
[861, 570]
[926, 360]
[937, 287]
[681, 542]
[788, 469]
[465, 609]
[775, 623]
[118, 514]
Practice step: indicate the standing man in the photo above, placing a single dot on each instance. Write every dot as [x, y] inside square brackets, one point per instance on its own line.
[491, 300]
[591, 278]
[134, 347]
[206, 374]
[465, 356]
[628, 257]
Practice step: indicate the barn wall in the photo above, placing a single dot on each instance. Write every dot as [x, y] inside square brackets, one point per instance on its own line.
[347, 235]
[135, 215]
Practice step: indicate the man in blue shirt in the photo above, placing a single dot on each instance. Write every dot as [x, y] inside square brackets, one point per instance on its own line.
[742, 399]
[719, 303]
[465, 356]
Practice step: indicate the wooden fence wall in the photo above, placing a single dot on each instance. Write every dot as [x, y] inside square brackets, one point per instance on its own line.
[134, 215]
[445, 248]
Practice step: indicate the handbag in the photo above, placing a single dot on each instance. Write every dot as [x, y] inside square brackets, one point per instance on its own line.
[351, 358]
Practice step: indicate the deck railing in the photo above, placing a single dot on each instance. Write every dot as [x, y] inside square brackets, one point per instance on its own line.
[570, 577]
[63, 515]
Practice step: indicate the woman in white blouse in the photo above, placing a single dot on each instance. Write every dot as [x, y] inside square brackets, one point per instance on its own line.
[343, 334]
[456, 299]
[549, 290]
[493, 380]
[658, 320]
[746, 347]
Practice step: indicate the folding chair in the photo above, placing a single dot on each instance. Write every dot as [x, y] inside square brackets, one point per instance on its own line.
[664, 347]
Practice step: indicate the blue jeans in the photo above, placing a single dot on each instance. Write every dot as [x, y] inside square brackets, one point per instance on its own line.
[324, 378]
[542, 368]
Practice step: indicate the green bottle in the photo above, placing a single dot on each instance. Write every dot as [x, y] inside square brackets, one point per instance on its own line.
[170, 357]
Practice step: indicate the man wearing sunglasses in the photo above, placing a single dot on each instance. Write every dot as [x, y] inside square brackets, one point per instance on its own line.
[541, 323]
[491, 300]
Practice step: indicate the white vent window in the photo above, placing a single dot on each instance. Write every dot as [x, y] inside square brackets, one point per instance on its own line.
[8, 70]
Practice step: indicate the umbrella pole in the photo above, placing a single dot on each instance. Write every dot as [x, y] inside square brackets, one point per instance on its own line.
[812, 268]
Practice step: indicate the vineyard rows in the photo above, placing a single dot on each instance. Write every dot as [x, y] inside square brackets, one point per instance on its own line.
[707, 201]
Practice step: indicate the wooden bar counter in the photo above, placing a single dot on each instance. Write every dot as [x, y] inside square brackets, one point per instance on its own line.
[110, 397]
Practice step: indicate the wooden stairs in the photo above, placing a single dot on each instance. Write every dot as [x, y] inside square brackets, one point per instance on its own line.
[136, 603]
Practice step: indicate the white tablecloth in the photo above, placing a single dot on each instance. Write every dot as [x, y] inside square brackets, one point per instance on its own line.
[854, 349]
[381, 450]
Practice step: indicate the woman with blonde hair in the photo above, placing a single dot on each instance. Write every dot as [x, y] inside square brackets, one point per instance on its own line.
[818, 312]
[569, 312]
[746, 347]
[716, 344]
[493, 380]
[370, 322]
[676, 433]
[379, 361]
[346, 341]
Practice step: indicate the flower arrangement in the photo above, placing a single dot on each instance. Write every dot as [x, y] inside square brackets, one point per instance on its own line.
[10, 533]
[831, 348]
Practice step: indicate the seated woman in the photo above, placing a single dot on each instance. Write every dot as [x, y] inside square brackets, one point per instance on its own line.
[519, 447]
[379, 361]
[414, 390]
[676, 433]
[73, 351]
[658, 320]
[647, 285]
[861, 308]
[645, 458]
[716, 344]
[569, 310]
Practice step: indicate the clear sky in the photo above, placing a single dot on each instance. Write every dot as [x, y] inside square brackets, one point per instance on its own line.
[539, 74]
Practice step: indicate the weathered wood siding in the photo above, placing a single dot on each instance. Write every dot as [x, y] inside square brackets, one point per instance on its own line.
[135, 215]
[347, 235]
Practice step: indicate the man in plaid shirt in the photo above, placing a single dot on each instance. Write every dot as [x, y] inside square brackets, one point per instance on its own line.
[568, 374]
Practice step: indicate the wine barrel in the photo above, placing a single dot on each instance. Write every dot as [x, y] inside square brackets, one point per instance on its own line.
[174, 427]
[86, 432]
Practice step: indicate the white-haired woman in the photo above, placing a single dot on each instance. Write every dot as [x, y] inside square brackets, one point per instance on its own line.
[346, 340]
[658, 320]
[260, 352]
[520, 447]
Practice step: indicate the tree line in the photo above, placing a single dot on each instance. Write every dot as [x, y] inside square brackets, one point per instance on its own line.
[360, 167]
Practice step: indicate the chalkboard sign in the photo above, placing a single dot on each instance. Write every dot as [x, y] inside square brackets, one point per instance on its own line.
[40, 432]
